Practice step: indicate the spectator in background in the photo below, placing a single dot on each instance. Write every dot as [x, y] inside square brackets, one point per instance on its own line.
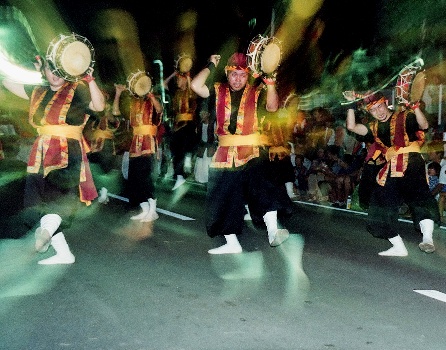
[441, 191]
[433, 172]
[321, 127]
[301, 169]
[316, 176]
[205, 149]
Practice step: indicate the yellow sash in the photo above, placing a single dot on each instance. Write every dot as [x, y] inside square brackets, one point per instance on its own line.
[242, 140]
[392, 151]
[69, 131]
[184, 117]
[145, 130]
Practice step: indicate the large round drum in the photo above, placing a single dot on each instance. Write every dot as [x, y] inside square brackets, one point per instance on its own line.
[263, 55]
[183, 64]
[139, 83]
[410, 83]
[70, 56]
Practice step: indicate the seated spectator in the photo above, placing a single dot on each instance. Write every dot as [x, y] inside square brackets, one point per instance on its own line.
[442, 193]
[301, 170]
[343, 174]
[433, 172]
[316, 176]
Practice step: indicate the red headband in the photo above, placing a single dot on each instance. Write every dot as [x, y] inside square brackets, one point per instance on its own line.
[371, 104]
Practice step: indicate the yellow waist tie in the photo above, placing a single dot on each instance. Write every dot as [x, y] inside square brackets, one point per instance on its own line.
[184, 117]
[279, 149]
[242, 140]
[68, 131]
[145, 130]
[392, 152]
[103, 134]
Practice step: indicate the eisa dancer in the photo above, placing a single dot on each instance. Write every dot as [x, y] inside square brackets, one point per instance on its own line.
[399, 135]
[59, 176]
[236, 174]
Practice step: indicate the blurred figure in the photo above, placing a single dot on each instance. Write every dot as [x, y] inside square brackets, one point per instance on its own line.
[102, 156]
[184, 135]
[205, 149]
[145, 115]
[236, 174]
[59, 175]
[321, 127]
[399, 135]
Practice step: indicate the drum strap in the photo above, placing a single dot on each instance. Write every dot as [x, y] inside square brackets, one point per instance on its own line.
[242, 140]
[145, 130]
[68, 131]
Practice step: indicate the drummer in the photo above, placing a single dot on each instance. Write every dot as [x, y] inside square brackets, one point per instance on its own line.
[59, 176]
[237, 169]
[145, 116]
[399, 134]
[184, 105]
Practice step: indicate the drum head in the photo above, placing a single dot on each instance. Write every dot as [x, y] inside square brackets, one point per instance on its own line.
[139, 83]
[185, 64]
[270, 58]
[70, 56]
[143, 86]
[253, 54]
[417, 88]
[75, 58]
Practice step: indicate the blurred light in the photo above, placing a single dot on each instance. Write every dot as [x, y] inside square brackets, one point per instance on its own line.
[18, 74]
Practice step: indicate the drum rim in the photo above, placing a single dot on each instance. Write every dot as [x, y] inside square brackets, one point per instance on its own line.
[53, 48]
[183, 56]
[254, 57]
[132, 76]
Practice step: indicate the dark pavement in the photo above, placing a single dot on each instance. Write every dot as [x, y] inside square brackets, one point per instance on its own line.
[154, 286]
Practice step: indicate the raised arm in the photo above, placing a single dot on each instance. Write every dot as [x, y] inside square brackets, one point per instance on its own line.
[421, 117]
[351, 125]
[97, 102]
[198, 83]
[119, 88]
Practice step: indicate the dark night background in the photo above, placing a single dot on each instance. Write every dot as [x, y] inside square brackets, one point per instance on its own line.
[343, 45]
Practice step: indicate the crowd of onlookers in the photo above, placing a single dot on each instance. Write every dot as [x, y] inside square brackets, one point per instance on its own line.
[328, 161]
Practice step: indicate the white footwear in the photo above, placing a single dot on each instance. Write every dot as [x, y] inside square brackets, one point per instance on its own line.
[281, 236]
[145, 210]
[427, 229]
[103, 197]
[180, 180]
[188, 164]
[49, 223]
[63, 253]
[247, 216]
[426, 247]
[290, 190]
[398, 248]
[152, 215]
[276, 236]
[232, 246]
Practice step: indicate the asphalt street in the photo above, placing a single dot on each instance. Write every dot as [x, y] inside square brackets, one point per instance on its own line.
[153, 285]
